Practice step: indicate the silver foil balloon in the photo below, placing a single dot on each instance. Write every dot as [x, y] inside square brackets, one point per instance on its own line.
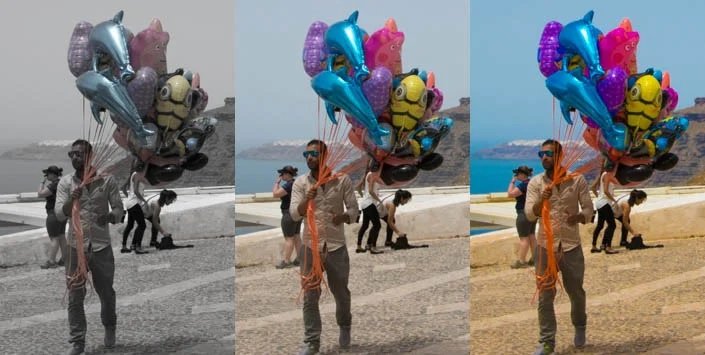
[80, 54]
[109, 38]
[106, 94]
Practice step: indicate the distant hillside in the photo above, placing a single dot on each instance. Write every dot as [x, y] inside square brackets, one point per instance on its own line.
[690, 149]
[219, 148]
[45, 150]
[455, 149]
[518, 149]
[285, 150]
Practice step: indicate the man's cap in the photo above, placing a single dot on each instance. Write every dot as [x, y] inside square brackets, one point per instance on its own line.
[523, 169]
[288, 169]
[53, 169]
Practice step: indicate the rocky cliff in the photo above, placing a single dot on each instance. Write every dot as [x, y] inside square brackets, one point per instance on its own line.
[455, 149]
[220, 147]
[690, 149]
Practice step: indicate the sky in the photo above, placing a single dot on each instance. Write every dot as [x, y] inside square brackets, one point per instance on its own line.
[509, 97]
[274, 98]
[39, 95]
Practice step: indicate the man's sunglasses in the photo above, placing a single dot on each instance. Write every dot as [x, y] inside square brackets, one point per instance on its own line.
[548, 153]
[75, 154]
[311, 153]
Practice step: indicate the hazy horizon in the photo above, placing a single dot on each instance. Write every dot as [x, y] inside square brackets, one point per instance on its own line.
[274, 99]
[40, 95]
[509, 97]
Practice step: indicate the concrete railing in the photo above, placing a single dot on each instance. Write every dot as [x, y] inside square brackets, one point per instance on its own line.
[202, 218]
[664, 190]
[436, 190]
[198, 190]
[671, 218]
[441, 218]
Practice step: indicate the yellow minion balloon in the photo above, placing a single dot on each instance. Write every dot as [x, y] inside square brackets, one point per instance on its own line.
[408, 103]
[643, 103]
[173, 102]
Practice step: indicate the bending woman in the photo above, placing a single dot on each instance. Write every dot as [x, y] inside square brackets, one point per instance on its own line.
[401, 197]
[152, 211]
[623, 211]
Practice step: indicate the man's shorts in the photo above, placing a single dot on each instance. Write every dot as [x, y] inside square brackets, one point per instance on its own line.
[289, 226]
[55, 228]
[524, 226]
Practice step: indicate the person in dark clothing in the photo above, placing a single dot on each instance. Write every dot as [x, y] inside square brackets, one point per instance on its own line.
[290, 228]
[153, 209]
[55, 228]
[525, 228]
[134, 207]
[389, 210]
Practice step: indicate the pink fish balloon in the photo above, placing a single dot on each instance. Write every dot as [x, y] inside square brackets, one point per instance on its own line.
[383, 48]
[148, 48]
[618, 48]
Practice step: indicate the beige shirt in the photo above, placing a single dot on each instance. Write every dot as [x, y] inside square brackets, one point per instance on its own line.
[569, 198]
[329, 202]
[94, 203]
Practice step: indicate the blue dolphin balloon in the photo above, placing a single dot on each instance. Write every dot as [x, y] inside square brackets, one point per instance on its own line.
[573, 90]
[338, 92]
[106, 94]
[580, 37]
[345, 38]
[109, 38]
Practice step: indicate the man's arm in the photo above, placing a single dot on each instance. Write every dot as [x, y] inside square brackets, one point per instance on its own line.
[298, 199]
[352, 209]
[584, 199]
[117, 211]
[63, 198]
[532, 206]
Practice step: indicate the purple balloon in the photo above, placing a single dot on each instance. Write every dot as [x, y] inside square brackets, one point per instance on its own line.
[548, 53]
[612, 88]
[377, 89]
[142, 89]
[672, 100]
[437, 100]
[80, 54]
[315, 51]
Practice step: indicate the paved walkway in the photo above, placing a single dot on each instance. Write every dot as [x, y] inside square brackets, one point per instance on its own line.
[172, 301]
[643, 301]
[402, 301]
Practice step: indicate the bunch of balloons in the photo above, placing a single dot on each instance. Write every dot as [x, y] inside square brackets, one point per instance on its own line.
[155, 111]
[393, 113]
[628, 113]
